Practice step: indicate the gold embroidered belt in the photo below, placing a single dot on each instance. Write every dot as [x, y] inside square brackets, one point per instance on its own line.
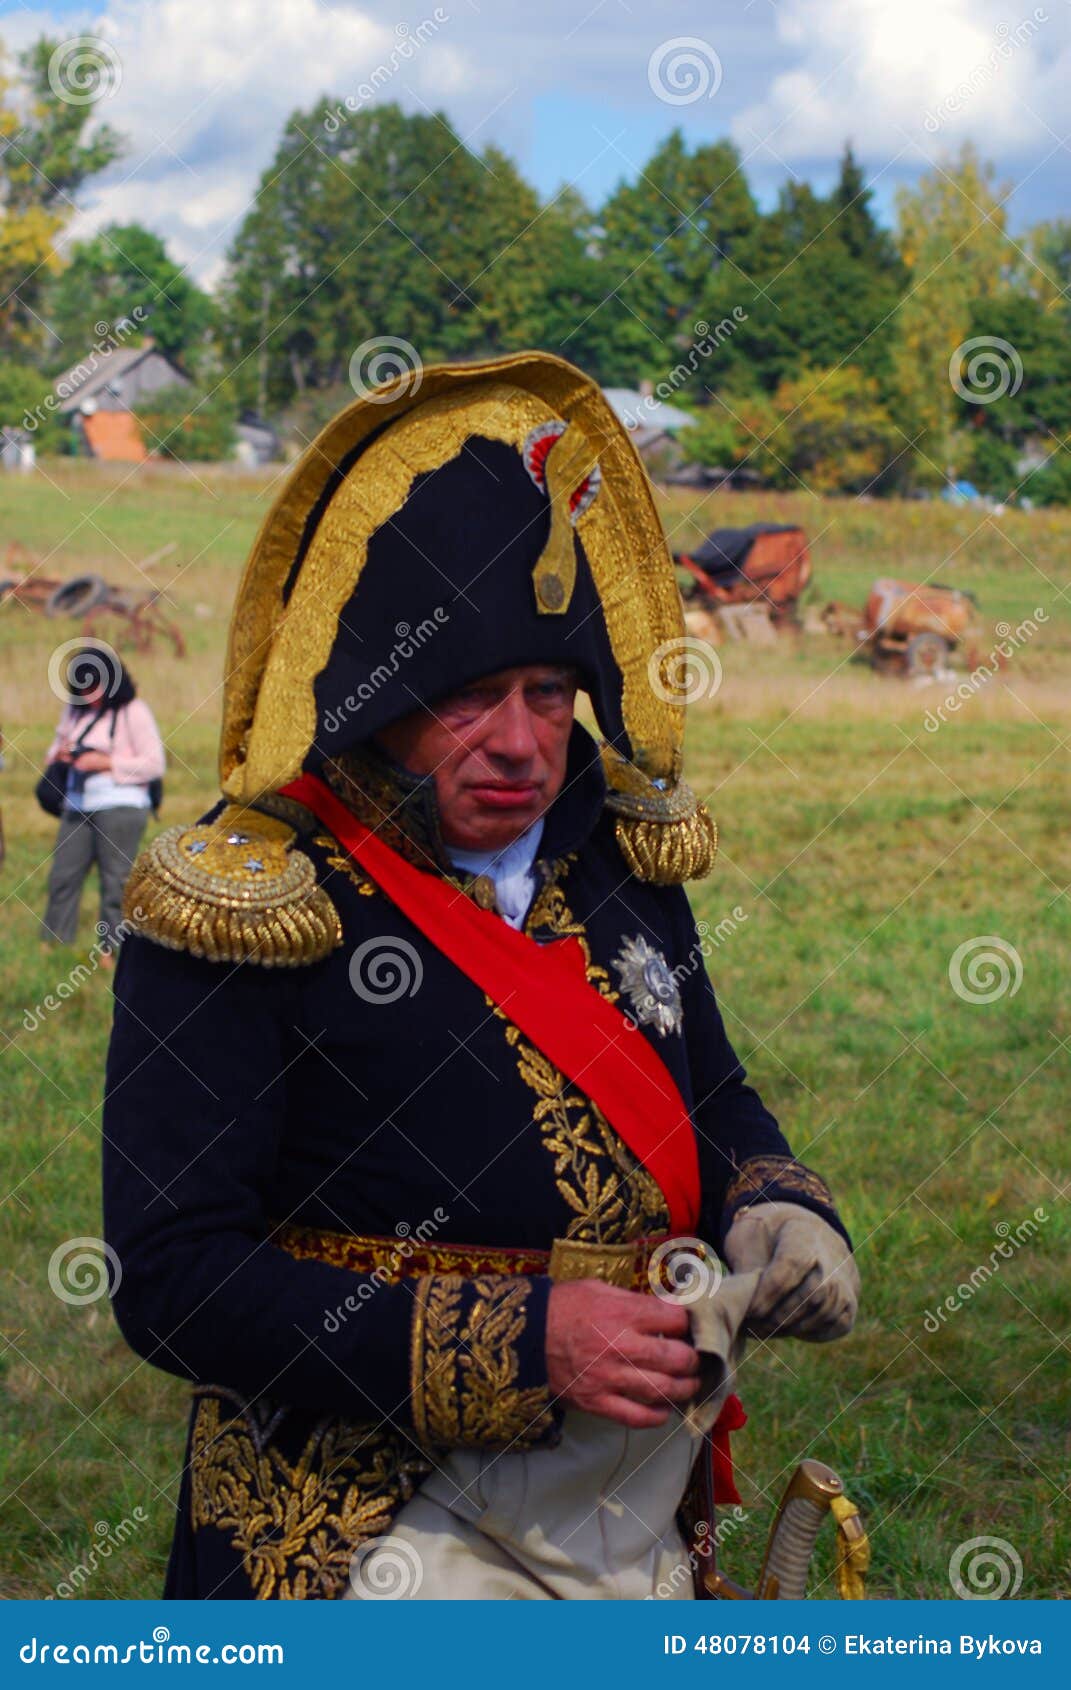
[393, 1259]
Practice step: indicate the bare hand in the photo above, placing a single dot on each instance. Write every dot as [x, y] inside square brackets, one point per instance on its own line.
[618, 1353]
[92, 762]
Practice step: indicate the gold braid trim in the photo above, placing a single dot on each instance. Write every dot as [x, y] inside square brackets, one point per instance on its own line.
[667, 853]
[776, 1178]
[465, 1365]
[612, 1198]
[276, 650]
[572, 459]
[853, 1550]
[232, 890]
[295, 1523]
[396, 806]
[664, 833]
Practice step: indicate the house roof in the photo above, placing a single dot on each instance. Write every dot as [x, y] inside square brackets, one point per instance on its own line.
[115, 437]
[88, 377]
[642, 411]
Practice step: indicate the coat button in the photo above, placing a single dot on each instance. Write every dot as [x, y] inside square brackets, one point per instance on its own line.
[483, 890]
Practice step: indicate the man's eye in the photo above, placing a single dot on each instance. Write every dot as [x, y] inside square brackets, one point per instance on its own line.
[469, 702]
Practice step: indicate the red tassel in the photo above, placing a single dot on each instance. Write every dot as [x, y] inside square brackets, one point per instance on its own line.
[731, 1418]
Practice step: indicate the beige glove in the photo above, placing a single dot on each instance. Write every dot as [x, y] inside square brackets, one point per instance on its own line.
[808, 1285]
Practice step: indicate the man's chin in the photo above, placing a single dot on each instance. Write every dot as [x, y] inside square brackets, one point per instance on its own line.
[492, 830]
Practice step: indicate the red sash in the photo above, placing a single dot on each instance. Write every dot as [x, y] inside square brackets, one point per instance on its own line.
[545, 992]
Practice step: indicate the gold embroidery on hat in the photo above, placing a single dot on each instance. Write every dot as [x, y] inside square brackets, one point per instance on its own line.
[269, 711]
[570, 462]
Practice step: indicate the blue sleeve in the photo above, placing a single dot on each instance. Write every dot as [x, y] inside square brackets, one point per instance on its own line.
[195, 1113]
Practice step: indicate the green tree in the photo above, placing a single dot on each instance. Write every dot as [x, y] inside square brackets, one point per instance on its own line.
[23, 391]
[384, 224]
[834, 433]
[550, 286]
[1023, 387]
[1049, 275]
[106, 278]
[825, 429]
[732, 431]
[664, 239]
[819, 280]
[181, 422]
[45, 157]
[1050, 482]
[953, 239]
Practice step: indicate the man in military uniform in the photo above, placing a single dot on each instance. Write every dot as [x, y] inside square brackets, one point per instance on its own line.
[415, 1067]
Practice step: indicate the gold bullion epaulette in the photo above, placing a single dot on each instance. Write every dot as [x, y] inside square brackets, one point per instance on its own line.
[232, 889]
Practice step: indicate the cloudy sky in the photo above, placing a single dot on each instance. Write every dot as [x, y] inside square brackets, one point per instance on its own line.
[576, 90]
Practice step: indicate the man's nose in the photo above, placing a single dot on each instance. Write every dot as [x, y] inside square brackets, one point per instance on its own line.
[510, 731]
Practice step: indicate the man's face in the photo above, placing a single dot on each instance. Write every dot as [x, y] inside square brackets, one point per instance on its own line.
[497, 750]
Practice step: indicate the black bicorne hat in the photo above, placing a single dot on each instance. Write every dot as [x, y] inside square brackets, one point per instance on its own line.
[449, 593]
[458, 521]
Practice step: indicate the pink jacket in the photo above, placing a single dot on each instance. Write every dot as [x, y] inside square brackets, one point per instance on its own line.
[137, 752]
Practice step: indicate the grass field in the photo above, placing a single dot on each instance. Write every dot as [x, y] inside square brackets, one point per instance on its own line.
[863, 850]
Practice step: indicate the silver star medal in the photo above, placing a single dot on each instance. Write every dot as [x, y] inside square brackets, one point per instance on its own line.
[648, 983]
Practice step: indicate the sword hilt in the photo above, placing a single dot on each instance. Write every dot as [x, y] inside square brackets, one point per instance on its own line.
[811, 1493]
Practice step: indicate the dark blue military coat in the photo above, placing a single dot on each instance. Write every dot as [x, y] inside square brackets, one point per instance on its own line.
[257, 1119]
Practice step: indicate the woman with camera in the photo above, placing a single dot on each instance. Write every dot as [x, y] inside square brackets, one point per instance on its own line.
[105, 767]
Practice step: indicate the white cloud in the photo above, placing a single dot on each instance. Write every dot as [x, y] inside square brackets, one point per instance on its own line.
[207, 86]
[913, 77]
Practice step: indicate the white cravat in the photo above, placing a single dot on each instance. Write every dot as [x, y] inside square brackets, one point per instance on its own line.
[511, 870]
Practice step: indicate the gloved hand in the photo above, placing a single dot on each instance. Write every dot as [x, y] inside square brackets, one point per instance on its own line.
[808, 1285]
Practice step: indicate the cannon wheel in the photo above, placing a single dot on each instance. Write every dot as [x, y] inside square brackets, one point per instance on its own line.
[926, 653]
[77, 597]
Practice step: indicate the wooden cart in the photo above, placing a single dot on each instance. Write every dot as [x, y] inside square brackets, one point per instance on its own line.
[913, 628]
[767, 563]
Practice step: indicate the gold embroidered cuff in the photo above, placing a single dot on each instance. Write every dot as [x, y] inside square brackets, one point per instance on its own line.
[778, 1179]
[477, 1361]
